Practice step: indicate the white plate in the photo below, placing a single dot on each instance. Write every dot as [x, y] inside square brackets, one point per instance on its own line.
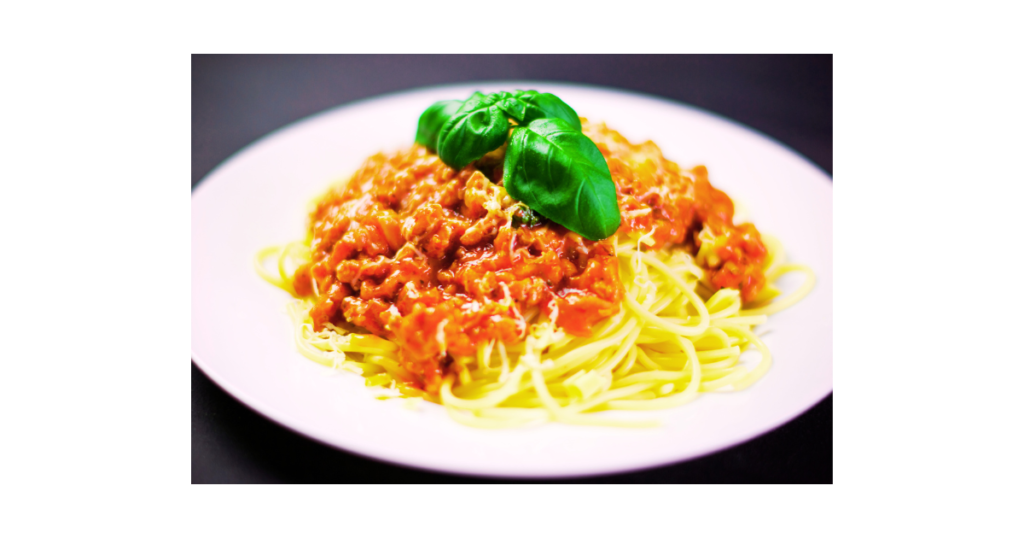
[242, 339]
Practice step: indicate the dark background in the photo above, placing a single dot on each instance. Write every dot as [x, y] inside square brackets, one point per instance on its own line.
[238, 99]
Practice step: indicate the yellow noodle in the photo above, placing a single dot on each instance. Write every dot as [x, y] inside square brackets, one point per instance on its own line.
[261, 257]
[395, 371]
[608, 396]
[378, 379]
[624, 349]
[630, 361]
[726, 363]
[779, 305]
[674, 400]
[721, 353]
[725, 380]
[494, 398]
[761, 368]
[484, 355]
[645, 361]
[664, 346]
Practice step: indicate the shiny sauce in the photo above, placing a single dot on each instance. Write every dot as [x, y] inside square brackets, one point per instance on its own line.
[429, 257]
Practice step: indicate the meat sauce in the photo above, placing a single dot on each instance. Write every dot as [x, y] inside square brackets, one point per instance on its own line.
[427, 256]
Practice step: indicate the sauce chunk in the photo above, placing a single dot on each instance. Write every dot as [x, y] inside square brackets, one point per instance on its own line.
[427, 256]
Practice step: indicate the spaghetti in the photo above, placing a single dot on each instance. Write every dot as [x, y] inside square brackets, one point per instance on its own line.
[674, 339]
[418, 277]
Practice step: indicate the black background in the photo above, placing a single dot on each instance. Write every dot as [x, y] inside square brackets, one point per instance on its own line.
[238, 99]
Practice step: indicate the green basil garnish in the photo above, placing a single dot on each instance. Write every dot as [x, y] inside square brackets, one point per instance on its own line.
[522, 215]
[559, 172]
[550, 165]
[479, 126]
[431, 121]
[547, 105]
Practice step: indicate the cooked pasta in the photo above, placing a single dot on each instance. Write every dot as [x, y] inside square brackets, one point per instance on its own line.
[433, 283]
[674, 339]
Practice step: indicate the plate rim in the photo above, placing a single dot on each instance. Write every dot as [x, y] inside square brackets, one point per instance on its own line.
[234, 392]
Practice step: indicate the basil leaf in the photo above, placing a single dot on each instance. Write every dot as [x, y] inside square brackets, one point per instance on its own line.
[546, 105]
[515, 108]
[524, 216]
[431, 121]
[479, 126]
[559, 172]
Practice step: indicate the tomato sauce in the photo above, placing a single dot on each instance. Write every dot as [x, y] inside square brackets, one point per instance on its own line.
[683, 209]
[427, 256]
